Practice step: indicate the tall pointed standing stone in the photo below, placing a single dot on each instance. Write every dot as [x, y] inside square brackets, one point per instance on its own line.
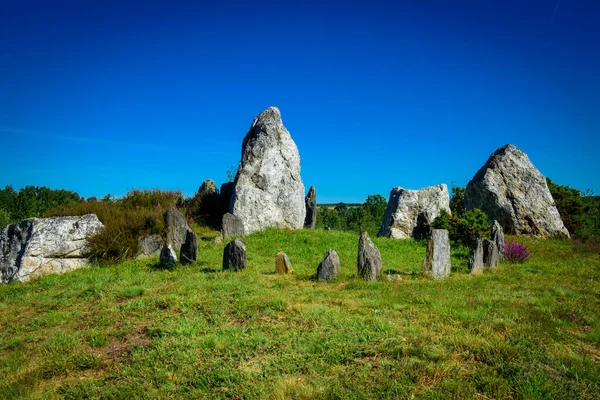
[437, 258]
[490, 254]
[268, 188]
[311, 208]
[370, 263]
[497, 236]
[476, 259]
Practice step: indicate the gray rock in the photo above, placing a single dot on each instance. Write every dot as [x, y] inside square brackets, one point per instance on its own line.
[497, 236]
[476, 259]
[409, 213]
[176, 227]
[149, 246]
[509, 189]
[39, 246]
[234, 255]
[310, 201]
[208, 187]
[225, 196]
[168, 257]
[330, 267]
[268, 188]
[370, 264]
[490, 254]
[437, 258]
[189, 249]
[231, 226]
[283, 264]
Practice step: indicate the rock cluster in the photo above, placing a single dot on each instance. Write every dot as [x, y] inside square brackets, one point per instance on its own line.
[39, 246]
[409, 213]
[437, 258]
[268, 189]
[370, 264]
[510, 189]
[180, 236]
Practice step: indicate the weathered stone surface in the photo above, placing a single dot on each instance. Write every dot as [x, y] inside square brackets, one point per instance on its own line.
[268, 189]
[39, 246]
[370, 263]
[409, 213]
[208, 187]
[189, 249]
[176, 227]
[310, 201]
[168, 257]
[437, 258]
[510, 189]
[234, 255]
[330, 267]
[497, 236]
[283, 264]
[476, 259]
[231, 226]
[149, 246]
[490, 254]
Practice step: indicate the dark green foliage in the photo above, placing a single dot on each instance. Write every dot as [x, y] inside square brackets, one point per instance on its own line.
[457, 200]
[365, 217]
[32, 201]
[466, 228]
[579, 211]
[206, 209]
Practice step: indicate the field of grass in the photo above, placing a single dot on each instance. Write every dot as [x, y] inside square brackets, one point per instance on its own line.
[130, 330]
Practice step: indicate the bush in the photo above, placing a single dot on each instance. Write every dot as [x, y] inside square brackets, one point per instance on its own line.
[580, 212]
[515, 252]
[4, 218]
[466, 229]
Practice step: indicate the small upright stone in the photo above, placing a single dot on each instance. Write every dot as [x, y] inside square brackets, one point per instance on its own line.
[234, 255]
[476, 259]
[330, 267]
[231, 226]
[497, 236]
[437, 258]
[490, 254]
[168, 258]
[370, 263]
[208, 187]
[176, 227]
[189, 249]
[311, 208]
[283, 264]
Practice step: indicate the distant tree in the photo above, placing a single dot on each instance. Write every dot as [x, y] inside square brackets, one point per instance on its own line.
[578, 210]
[231, 173]
[457, 200]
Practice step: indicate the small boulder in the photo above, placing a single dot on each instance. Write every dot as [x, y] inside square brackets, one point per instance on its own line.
[490, 254]
[437, 258]
[208, 187]
[168, 257]
[283, 264]
[176, 227]
[189, 249]
[311, 208]
[497, 236]
[370, 263]
[476, 259]
[330, 267]
[231, 226]
[234, 255]
[149, 246]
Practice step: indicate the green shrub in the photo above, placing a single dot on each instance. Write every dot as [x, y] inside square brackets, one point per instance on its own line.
[580, 212]
[465, 229]
[4, 218]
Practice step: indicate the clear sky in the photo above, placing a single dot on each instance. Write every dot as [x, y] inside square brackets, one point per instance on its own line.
[105, 96]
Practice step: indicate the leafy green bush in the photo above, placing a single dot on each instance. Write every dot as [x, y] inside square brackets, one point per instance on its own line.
[579, 211]
[4, 218]
[466, 228]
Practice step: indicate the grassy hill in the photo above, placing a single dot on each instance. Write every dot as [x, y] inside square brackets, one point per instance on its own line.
[129, 330]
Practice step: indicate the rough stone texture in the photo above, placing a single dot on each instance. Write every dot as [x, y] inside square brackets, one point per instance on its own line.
[268, 189]
[490, 254]
[476, 259]
[208, 187]
[330, 267]
[310, 201]
[283, 264]
[149, 246]
[497, 236]
[168, 257]
[189, 249]
[231, 226]
[410, 212]
[234, 255]
[437, 258]
[370, 263]
[176, 227]
[39, 246]
[509, 189]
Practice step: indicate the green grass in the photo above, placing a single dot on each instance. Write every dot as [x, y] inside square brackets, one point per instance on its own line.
[130, 330]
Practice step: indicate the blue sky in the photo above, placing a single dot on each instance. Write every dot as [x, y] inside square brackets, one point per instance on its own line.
[102, 97]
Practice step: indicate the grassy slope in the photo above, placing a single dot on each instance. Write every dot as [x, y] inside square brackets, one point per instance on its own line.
[128, 330]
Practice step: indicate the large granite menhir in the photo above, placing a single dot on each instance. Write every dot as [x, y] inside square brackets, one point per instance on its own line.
[510, 189]
[410, 213]
[39, 246]
[268, 189]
